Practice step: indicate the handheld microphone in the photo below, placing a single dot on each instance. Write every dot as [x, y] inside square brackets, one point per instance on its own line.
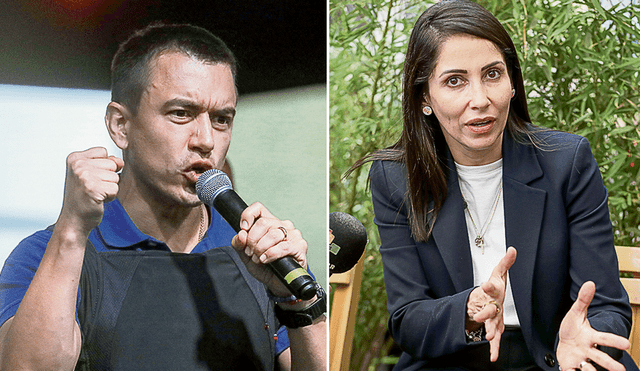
[349, 238]
[214, 189]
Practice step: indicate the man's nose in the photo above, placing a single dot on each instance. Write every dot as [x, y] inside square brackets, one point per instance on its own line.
[202, 137]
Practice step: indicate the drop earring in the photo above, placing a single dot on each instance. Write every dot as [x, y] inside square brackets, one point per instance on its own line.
[427, 110]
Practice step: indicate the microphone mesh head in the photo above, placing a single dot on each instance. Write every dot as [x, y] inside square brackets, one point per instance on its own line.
[210, 184]
[349, 242]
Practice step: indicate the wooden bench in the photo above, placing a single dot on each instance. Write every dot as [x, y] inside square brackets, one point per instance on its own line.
[629, 262]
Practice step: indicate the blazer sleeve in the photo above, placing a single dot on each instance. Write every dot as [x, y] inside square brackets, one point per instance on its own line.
[592, 254]
[424, 324]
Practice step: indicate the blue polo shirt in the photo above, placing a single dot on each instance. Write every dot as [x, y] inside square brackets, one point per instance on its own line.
[116, 232]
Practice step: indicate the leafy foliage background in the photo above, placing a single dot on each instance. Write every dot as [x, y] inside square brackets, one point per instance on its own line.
[580, 61]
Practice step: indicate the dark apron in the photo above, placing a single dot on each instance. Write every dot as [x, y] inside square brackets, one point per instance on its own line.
[157, 310]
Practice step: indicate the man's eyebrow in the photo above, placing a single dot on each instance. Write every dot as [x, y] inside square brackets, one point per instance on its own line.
[465, 71]
[225, 112]
[188, 104]
[185, 103]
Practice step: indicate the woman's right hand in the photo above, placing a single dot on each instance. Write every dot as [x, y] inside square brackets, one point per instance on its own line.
[485, 303]
[578, 341]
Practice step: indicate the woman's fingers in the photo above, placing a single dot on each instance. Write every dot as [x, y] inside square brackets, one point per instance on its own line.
[604, 360]
[490, 309]
[585, 295]
[505, 264]
[494, 346]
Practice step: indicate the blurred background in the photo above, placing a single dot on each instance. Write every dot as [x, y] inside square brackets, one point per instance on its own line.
[580, 62]
[54, 88]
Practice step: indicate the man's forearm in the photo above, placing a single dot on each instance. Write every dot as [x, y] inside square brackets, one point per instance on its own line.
[309, 346]
[44, 334]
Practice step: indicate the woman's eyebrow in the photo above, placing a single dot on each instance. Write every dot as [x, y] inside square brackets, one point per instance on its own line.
[465, 71]
[453, 71]
[491, 65]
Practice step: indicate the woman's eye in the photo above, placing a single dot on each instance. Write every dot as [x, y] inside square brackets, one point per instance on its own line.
[493, 74]
[454, 81]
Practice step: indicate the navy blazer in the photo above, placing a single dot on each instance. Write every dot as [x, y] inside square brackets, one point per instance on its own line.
[556, 216]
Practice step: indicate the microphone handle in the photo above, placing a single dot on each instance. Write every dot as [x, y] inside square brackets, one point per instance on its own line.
[230, 206]
[287, 269]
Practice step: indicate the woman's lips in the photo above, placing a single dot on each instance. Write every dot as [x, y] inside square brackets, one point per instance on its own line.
[481, 127]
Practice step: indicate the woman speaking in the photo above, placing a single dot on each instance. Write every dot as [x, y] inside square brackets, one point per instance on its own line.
[497, 246]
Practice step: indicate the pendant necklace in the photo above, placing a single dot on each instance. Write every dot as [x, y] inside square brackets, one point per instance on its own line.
[480, 234]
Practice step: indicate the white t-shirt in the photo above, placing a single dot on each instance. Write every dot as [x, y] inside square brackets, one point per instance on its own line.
[479, 186]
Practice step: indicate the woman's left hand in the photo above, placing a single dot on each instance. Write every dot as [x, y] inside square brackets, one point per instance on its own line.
[485, 303]
[578, 340]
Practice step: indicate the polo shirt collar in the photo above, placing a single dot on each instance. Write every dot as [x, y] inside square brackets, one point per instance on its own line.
[118, 230]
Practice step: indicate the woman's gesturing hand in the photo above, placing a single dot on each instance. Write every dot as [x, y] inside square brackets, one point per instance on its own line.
[578, 340]
[485, 303]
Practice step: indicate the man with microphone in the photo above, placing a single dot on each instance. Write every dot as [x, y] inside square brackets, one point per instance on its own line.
[136, 273]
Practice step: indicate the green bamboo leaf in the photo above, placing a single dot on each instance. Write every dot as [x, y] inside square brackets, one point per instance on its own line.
[630, 62]
[618, 162]
[582, 118]
[598, 8]
[622, 130]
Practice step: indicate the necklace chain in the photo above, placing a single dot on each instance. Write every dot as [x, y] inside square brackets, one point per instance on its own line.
[203, 223]
[479, 240]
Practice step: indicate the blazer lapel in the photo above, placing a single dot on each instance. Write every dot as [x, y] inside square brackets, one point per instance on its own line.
[523, 210]
[450, 234]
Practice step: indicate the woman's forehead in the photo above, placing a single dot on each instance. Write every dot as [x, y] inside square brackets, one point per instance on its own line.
[466, 51]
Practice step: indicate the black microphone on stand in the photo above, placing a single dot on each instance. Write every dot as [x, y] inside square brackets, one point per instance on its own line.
[214, 189]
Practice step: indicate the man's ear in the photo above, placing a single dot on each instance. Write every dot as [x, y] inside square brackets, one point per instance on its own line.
[118, 119]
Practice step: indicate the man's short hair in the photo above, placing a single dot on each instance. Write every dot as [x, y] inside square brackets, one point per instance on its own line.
[130, 67]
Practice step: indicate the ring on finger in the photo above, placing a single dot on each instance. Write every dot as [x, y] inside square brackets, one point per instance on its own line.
[498, 310]
[582, 364]
[284, 230]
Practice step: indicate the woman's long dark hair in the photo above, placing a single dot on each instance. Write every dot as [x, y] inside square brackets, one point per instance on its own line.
[422, 147]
